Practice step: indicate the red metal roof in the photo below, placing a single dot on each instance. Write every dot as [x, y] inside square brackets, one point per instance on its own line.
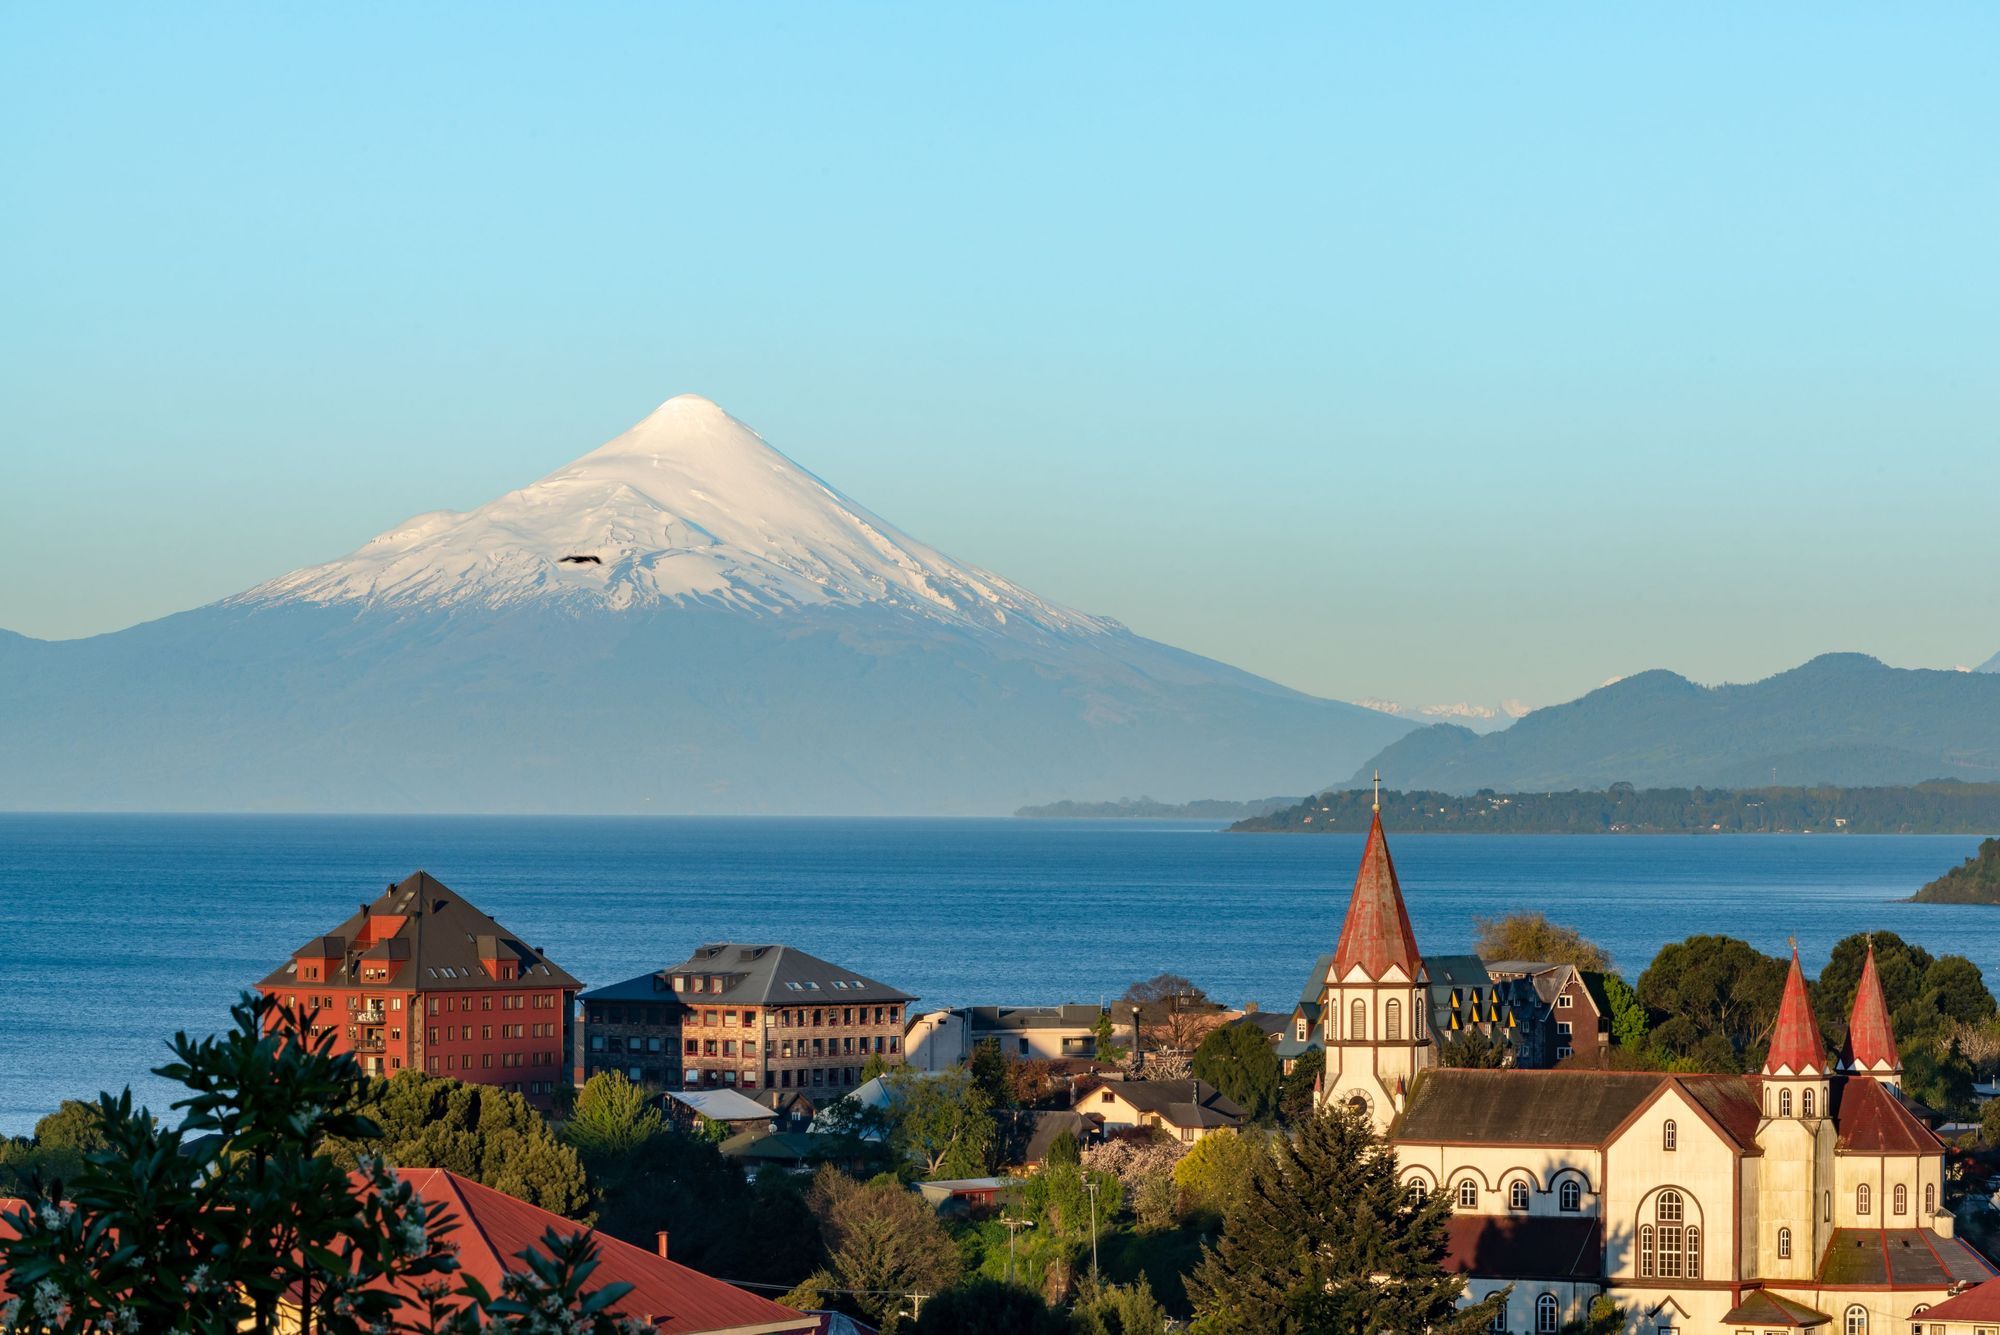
[1975, 1304]
[1376, 934]
[1871, 1042]
[1796, 1045]
[494, 1228]
[1874, 1121]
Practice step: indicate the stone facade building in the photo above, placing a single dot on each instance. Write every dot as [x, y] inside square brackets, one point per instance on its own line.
[763, 1019]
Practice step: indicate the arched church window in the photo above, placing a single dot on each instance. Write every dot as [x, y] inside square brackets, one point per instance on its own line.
[1420, 1190]
[1357, 1020]
[1392, 1020]
[1571, 1195]
[1862, 1201]
[1517, 1195]
[1419, 1024]
[1498, 1325]
[1693, 1268]
[1468, 1195]
[1856, 1322]
[1669, 1135]
[1806, 1104]
[1670, 1237]
[1548, 1315]
[1900, 1198]
[1647, 1262]
[1930, 1198]
[1784, 1244]
[1826, 1206]
[1784, 1103]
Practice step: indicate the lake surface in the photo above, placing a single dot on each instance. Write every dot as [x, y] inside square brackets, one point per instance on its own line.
[121, 929]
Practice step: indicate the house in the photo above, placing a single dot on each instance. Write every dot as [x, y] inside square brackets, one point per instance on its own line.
[493, 1228]
[758, 1018]
[971, 1193]
[725, 1106]
[1185, 1109]
[419, 979]
[1973, 1311]
[1025, 1135]
[1573, 1017]
[1807, 1196]
[939, 1040]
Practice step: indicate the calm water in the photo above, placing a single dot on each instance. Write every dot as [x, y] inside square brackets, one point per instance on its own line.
[121, 929]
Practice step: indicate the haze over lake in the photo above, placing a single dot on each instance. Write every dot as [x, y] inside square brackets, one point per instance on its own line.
[125, 928]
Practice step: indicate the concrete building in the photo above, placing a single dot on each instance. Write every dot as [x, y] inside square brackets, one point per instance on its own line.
[939, 1040]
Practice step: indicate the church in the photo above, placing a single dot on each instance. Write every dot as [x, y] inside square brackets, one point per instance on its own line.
[1807, 1197]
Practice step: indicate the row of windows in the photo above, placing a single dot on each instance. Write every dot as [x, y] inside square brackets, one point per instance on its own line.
[783, 1017]
[486, 1031]
[1569, 1193]
[1899, 1199]
[1548, 1317]
[440, 1065]
[1357, 1021]
[848, 1076]
[511, 1001]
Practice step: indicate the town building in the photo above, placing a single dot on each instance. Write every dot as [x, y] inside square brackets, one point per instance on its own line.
[939, 1040]
[1806, 1197]
[1185, 1109]
[420, 979]
[1565, 1013]
[763, 1019]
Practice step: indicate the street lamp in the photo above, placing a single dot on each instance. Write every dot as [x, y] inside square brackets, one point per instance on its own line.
[1091, 1183]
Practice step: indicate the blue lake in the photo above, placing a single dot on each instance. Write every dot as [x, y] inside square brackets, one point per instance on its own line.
[121, 929]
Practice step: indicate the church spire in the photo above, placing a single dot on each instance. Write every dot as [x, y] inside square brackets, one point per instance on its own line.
[1376, 934]
[1870, 1048]
[1796, 1046]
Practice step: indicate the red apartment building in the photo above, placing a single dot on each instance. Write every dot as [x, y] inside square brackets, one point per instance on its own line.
[421, 980]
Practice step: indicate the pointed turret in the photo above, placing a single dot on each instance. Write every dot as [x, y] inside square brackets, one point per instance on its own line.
[1796, 1046]
[1376, 934]
[1870, 1048]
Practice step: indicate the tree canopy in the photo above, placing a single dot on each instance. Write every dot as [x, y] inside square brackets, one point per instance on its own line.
[1237, 1059]
[1531, 936]
[1714, 999]
[941, 1123]
[612, 1115]
[1174, 1014]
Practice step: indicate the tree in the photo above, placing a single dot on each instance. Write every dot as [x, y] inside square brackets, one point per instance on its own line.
[1323, 1237]
[74, 1127]
[1059, 1197]
[943, 1122]
[1108, 1049]
[990, 1307]
[1174, 1014]
[881, 1239]
[876, 1065]
[1298, 1092]
[1211, 1174]
[1121, 1310]
[1926, 995]
[1470, 1049]
[1531, 936]
[1237, 1059]
[612, 1116]
[209, 1226]
[1033, 1084]
[1605, 1317]
[1717, 999]
[1063, 1148]
[1629, 1023]
[989, 1071]
[478, 1131]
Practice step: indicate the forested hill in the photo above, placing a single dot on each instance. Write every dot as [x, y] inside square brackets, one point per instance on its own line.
[1145, 808]
[1840, 719]
[1976, 881]
[1942, 807]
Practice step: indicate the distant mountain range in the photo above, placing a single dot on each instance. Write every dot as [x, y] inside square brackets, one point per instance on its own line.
[683, 620]
[1840, 719]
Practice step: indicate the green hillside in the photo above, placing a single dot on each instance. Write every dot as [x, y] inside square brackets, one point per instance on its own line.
[1977, 881]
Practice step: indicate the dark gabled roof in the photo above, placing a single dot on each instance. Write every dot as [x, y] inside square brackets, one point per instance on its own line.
[1315, 987]
[441, 936]
[1524, 1247]
[1508, 1107]
[1735, 1102]
[1180, 1102]
[754, 975]
[1899, 1258]
[1456, 971]
[1272, 1023]
[1760, 1308]
[1872, 1119]
[1069, 1015]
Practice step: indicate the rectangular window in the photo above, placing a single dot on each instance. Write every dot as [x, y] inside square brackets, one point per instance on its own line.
[1565, 1001]
[1562, 1028]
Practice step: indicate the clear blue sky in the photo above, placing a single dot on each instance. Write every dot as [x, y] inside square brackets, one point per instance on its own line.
[1431, 353]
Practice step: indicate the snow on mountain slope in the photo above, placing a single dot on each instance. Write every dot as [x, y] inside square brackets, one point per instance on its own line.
[690, 506]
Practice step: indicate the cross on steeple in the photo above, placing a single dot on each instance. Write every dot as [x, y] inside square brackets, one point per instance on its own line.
[1378, 790]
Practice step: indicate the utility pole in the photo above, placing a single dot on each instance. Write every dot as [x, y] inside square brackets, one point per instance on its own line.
[1091, 1183]
[1013, 1227]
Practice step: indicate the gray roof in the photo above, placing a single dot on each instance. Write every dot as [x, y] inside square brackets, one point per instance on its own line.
[1478, 1107]
[1179, 1102]
[722, 1105]
[754, 975]
[1271, 1022]
[1069, 1015]
[437, 943]
[1457, 971]
[1316, 981]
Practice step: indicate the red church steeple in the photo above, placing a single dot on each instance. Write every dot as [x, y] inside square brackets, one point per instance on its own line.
[1796, 1046]
[1870, 1048]
[1376, 934]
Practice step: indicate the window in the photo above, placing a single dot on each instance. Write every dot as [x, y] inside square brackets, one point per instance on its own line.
[1669, 1135]
[1806, 1104]
[1565, 1001]
[1498, 1325]
[1900, 1199]
[1861, 1200]
[1562, 1054]
[1647, 1262]
[1417, 1023]
[1665, 1246]
[1357, 1020]
[1548, 1317]
[1693, 1268]
[1420, 1190]
[1562, 1028]
[1301, 1029]
[1930, 1198]
[1517, 1195]
[1784, 1103]
[1856, 1322]
[1468, 1195]
[1826, 1206]
[1784, 1244]
[1571, 1195]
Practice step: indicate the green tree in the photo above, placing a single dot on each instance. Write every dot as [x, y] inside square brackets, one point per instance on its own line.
[1324, 1237]
[1298, 1089]
[1605, 1317]
[478, 1131]
[1470, 1049]
[1629, 1022]
[1059, 1198]
[881, 1239]
[1128, 1309]
[1063, 1149]
[1217, 1168]
[1108, 1048]
[1716, 998]
[612, 1116]
[74, 1127]
[943, 1124]
[1531, 936]
[989, 1072]
[1925, 993]
[990, 1307]
[876, 1065]
[1237, 1059]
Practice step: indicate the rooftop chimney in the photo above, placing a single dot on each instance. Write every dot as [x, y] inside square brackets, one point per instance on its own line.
[660, 1241]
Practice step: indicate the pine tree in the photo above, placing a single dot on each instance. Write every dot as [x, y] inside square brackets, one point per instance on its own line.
[1324, 1239]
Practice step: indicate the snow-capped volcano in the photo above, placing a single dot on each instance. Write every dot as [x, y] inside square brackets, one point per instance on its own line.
[689, 506]
[682, 620]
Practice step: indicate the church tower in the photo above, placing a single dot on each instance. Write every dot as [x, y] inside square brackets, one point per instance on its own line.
[1375, 1003]
[1796, 1135]
[1870, 1048]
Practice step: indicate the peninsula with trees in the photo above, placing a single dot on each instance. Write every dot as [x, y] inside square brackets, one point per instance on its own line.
[1975, 881]
[1943, 806]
